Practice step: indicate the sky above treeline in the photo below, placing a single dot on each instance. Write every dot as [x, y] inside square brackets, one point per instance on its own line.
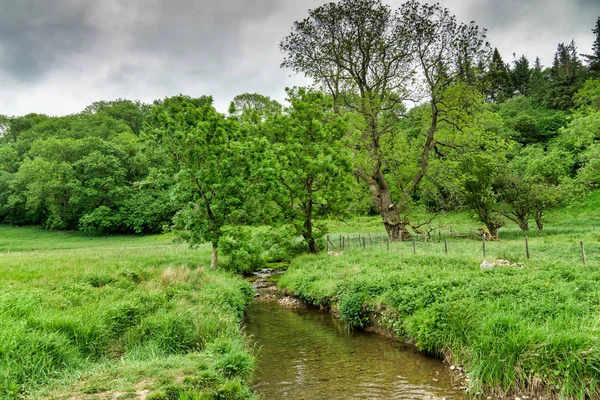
[57, 56]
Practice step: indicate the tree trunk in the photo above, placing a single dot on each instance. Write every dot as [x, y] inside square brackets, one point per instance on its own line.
[308, 227]
[390, 212]
[523, 224]
[215, 255]
[539, 223]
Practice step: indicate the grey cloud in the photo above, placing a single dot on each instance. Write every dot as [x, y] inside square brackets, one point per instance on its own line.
[36, 35]
[57, 56]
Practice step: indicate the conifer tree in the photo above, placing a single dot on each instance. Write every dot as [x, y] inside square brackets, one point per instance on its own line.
[593, 60]
[498, 79]
[566, 77]
[520, 76]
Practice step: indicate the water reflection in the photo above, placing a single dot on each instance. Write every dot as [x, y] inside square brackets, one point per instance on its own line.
[305, 354]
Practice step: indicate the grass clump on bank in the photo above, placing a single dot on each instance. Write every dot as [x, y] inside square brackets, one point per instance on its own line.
[529, 329]
[118, 317]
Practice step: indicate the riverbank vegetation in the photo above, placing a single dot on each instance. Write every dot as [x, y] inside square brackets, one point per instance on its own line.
[525, 329]
[99, 317]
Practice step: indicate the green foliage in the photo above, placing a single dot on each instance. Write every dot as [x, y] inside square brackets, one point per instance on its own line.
[351, 310]
[245, 251]
[307, 166]
[530, 122]
[67, 172]
[212, 164]
[115, 313]
[510, 327]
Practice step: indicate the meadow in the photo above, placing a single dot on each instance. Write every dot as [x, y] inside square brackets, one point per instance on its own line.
[532, 329]
[85, 317]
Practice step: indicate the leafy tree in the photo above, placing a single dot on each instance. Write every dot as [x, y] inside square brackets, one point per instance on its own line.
[212, 164]
[253, 107]
[480, 174]
[133, 113]
[370, 60]
[309, 164]
[531, 123]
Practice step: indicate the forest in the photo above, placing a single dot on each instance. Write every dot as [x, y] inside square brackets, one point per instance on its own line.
[415, 124]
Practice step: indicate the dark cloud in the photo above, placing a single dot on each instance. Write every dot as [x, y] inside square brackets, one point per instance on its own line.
[38, 35]
[57, 56]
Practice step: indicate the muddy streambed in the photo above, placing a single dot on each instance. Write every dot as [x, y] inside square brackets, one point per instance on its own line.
[308, 354]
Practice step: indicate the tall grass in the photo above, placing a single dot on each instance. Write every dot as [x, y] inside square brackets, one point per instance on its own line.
[82, 317]
[529, 329]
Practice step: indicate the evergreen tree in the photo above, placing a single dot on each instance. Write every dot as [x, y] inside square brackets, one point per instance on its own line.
[520, 76]
[593, 60]
[538, 81]
[498, 79]
[566, 77]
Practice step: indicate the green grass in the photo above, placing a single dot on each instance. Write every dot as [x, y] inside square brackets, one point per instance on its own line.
[98, 317]
[514, 329]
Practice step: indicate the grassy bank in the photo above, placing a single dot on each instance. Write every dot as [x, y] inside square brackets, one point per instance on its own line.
[117, 317]
[529, 329]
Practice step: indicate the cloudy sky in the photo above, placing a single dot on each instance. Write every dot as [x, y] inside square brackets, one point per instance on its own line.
[57, 56]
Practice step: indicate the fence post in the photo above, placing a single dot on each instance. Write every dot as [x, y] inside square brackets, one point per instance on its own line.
[582, 252]
[343, 242]
[328, 243]
[414, 246]
[364, 243]
[446, 246]
[348, 241]
[483, 244]
[527, 246]
[340, 241]
[370, 240]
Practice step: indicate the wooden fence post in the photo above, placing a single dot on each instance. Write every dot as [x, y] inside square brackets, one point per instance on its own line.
[340, 241]
[348, 240]
[328, 243]
[483, 244]
[370, 240]
[343, 242]
[414, 246]
[527, 246]
[446, 246]
[582, 252]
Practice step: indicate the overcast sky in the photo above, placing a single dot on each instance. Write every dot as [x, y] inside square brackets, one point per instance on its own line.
[57, 56]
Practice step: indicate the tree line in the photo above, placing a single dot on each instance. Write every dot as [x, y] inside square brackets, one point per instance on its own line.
[412, 114]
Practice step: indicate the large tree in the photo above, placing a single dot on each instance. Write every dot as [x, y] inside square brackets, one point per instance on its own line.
[309, 165]
[373, 60]
[212, 166]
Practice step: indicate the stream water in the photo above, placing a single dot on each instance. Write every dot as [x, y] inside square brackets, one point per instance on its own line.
[307, 354]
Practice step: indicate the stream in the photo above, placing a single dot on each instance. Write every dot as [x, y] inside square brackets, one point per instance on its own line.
[308, 354]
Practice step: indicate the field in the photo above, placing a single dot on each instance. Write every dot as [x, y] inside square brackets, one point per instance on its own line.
[533, 329]
[118, 317]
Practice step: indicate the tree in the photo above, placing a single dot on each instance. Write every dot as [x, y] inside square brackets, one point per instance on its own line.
[565, 77]
[498, 79]
[520, 76]
[212, 166]
[133, 113]
[253, 107]
[593, 60]
[372, 60]
[309, 164]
